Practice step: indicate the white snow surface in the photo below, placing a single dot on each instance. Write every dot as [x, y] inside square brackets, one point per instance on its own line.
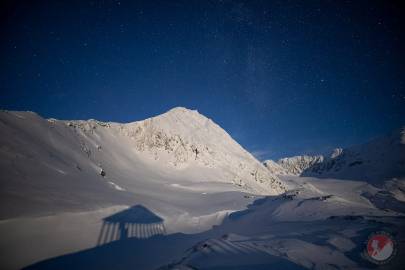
[196, 198]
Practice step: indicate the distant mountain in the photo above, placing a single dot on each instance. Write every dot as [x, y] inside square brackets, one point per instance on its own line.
[293, 165]
[375, 162]
[50, 165]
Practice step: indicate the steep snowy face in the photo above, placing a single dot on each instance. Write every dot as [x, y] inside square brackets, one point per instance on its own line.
[296, 165]
[376, 161]
[183, 138]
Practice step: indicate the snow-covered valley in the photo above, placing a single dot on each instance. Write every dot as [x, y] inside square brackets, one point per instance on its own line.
[177, 192]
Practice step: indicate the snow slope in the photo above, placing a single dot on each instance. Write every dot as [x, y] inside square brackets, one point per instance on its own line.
[318, 224]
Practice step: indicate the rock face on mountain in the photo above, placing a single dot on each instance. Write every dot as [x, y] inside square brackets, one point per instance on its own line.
[292, 165]
[87, 164]
[376, 161]
[296, 165]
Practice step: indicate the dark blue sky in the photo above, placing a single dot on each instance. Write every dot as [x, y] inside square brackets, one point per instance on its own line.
[282, 77]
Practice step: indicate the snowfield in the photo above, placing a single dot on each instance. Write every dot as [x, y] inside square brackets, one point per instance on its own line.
[175, 191]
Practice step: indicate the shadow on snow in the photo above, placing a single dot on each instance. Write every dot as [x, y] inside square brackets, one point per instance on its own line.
[136, 221]
[136, 238]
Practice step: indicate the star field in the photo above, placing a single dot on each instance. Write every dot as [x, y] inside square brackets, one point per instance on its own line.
[282, 77]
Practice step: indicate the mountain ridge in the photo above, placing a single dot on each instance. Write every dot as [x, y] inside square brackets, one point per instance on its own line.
[375, 161]
[189, 136]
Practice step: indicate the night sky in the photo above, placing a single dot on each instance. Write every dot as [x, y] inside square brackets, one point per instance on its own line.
[282, 77]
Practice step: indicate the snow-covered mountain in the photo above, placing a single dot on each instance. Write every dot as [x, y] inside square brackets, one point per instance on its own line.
[184, 138]
[376, 161]
[177, 192]
[293, 165]
[101, 164]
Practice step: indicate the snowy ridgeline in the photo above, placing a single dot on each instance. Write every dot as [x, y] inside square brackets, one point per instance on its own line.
[182, 138]
[377, 161]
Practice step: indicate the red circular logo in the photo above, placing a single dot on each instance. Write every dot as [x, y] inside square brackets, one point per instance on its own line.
[380, 247]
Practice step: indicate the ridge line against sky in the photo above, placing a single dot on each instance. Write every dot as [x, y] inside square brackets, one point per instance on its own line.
[281, 77]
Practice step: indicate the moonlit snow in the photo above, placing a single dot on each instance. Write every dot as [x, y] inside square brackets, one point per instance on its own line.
[175, 191]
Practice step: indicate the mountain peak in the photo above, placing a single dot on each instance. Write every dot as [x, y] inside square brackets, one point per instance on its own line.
[185, 138]
[181, 110]
[180, 142]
